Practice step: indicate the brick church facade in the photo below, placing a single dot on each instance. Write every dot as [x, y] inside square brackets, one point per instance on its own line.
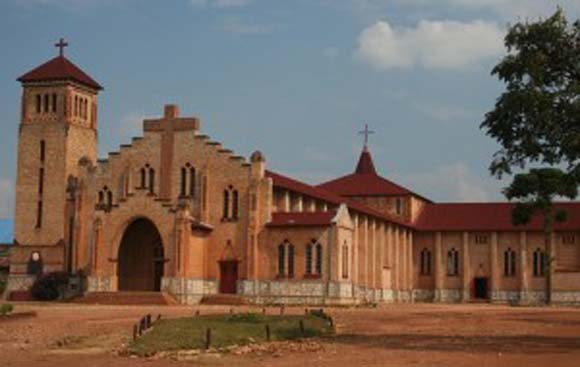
[177, 212]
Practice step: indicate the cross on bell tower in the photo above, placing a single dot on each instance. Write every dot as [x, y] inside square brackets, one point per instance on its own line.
[62, 43]
[366, 132]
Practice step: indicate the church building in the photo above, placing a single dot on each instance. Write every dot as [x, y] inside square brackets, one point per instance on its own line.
[174, 211]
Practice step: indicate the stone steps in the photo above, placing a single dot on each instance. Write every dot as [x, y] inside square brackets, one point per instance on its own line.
[127, 298]
[224, 299]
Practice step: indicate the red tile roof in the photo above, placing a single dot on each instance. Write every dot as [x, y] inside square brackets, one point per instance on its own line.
[366, 182]
[304, 219]
[487, 217]
[59, 68]
[321, 194]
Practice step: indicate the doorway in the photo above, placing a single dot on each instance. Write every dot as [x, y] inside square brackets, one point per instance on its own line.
[480, 288]
[228, 276]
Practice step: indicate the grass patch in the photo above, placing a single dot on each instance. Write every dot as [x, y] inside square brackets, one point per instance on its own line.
[6, 309]
[227, 330]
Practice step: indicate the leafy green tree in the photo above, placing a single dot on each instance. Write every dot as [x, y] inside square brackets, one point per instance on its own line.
[535, 192]
[536, 120]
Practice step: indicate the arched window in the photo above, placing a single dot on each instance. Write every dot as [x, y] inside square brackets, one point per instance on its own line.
[318, 259]
[105, 199]
[539, 262]
[101, 200]
[509, 262]
[309, 253]
[290, 260]
[345, 261]
[109, 198]
[226, 204]
[425, 262]
[231, 205]
[143, 174]
[452, 262]
[151, 180]
[192, 182]
[281, 260]
[54, 102]
[183, 182]
[38, 103]
[46, 103]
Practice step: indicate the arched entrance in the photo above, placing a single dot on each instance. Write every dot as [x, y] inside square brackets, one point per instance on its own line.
[141, 257]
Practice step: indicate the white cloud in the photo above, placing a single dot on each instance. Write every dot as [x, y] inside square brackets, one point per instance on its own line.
[221, 3]
[453, 182]
[6, 199]
[432, 44]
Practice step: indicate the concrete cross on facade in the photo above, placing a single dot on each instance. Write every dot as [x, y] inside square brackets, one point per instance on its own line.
[62, 43]
[366, 132]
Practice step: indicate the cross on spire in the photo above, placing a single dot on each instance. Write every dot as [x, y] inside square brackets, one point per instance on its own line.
[62, 43]
[366, 132]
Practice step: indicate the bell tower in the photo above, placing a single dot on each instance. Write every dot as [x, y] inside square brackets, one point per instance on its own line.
[58, 127]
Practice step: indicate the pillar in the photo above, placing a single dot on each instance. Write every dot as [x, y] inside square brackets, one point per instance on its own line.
[411, 271]
[466, 266]
[439, 270]
[524, 275]
[286, 203]
[493, 257]
[355, 244]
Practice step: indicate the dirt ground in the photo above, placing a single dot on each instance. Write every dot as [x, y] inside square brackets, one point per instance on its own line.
[396, 335]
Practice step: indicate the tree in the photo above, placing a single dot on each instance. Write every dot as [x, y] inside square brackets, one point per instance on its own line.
[535, 192]
[537, 120]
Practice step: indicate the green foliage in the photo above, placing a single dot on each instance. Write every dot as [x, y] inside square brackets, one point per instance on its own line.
[6, 309]
[2, 286]
[227, 330]
[537, 118]
[535, 192]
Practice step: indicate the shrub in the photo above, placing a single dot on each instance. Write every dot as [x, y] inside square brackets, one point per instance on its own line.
[48, 287]
[2, 286]
[6, 309]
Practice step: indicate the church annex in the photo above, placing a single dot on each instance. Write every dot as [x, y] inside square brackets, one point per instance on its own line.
[177, 212]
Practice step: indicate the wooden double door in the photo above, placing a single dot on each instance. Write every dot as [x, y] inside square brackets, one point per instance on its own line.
[228, 276]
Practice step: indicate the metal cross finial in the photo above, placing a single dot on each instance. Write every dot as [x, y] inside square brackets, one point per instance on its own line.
[62, 43]
[366, 132]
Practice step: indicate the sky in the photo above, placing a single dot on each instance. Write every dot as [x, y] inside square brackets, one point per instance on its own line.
[296, 79]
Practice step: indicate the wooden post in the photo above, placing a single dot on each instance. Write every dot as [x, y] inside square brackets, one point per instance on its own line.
[135, 332]
[196, 312]
[267, 332]
[148, 317]
[306, 311]
[231, 311]
[264, 311]
[301, 327]
[282, 310]
[207, 338]
[158, 317]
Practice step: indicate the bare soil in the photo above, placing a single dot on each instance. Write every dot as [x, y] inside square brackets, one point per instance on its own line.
[396, 335]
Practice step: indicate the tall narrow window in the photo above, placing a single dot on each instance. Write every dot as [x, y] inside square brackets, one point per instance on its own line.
[151, 181]
[40, 180]
[109, 199]
[345, 261]
[235, 204]
[76, 106]
[290, 260]
[318, 259]
[54, 102]
[143, 174]
[509, 262]
[42, 150]
[226, 204]
[452, 262]
[183, 182]
[192, 182]
[399, 206]
[281, 260]
[46, 103]
[39, 215]
[539, 262]
[425, 262]
[309, 259]
[101, 200]
[38, 103]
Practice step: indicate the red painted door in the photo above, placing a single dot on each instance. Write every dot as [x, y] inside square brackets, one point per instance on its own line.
[228, 276]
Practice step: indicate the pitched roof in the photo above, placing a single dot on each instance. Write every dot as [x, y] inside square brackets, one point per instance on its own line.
[59, 68]
[487, 217]
[365, 182]
[303, 219]
[322, 194]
